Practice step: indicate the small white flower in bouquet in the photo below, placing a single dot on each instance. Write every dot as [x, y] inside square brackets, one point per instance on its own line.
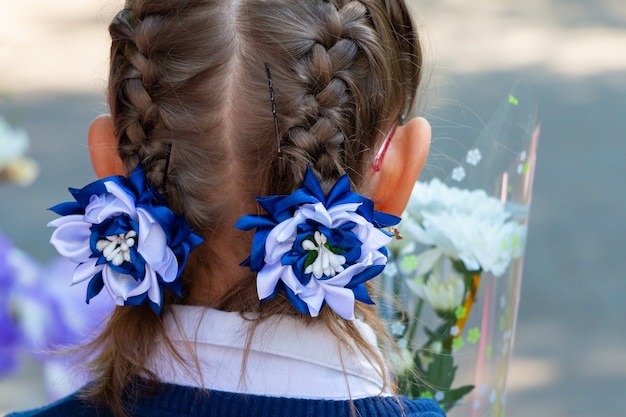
[457, 269]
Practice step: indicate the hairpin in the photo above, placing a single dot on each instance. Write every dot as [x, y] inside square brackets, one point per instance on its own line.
[167, 166]
[271, 86]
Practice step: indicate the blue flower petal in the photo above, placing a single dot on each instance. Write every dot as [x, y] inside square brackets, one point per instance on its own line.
[95, 286]
[341, 194]
[300, 305]
[312, 185]
[366, 275]
[257, 254]
[250, 221]
[282, 208]
[384, 219]
[67, 209]
[361, 294]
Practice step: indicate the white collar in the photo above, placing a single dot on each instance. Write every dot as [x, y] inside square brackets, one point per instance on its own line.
[287, 358]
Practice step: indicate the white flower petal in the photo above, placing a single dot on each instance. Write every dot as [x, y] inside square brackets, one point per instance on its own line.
[443, 295]
[121, 194]
[267, 279]
[168, 269]
[314, 299]
[147, 285]
[427, 260]
[341, 300]
[71, 238]
[120, 286]
[152, 246]
[316, 212]
[154, 292]
[284, 231]
[372, 238]
[102, 207]
[86, 271]
[13, 142]
[152, 242]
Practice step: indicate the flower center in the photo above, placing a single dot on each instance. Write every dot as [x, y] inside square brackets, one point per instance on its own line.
[324, 262]
[116, 248]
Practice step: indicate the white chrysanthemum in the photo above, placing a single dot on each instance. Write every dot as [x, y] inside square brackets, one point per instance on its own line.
[464, 225]
[13, 143]
[444, 294]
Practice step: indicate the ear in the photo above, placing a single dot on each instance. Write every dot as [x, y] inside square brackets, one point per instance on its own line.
[390, 187]
[103, 148]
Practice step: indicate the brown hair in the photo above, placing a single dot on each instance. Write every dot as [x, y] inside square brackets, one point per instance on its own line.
[188, 83]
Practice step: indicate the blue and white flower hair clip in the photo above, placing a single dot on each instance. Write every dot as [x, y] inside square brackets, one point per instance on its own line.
[122, 236]
[318, 249]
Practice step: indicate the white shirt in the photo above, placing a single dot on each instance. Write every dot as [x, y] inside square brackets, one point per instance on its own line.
[287, 358]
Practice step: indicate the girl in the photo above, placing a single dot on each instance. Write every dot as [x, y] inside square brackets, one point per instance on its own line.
[270, 128]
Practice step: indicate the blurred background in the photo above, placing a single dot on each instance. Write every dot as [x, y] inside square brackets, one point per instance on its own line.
[570, 349]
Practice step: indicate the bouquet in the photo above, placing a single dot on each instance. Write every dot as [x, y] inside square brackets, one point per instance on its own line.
[456, 270]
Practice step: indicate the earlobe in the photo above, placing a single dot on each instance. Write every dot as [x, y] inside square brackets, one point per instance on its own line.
[103, 148]
[391, 187]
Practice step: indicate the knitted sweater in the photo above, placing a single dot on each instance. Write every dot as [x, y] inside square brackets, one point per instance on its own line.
[180, 401]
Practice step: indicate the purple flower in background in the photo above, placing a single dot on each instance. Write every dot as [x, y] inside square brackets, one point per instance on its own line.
[69, 323]
[77, 322]
[41, 313]
[9, 333]
[9, 338]
[53, 317]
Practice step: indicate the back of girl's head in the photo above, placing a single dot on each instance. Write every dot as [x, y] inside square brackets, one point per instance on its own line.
[188, 83]
[192, 74]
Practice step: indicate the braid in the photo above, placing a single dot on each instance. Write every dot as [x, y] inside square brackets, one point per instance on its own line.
[134, 75]
[319, 130]
[160, 60]
[337, 84]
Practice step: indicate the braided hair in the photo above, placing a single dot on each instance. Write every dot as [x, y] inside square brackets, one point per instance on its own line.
[188, 86]
[342, 81]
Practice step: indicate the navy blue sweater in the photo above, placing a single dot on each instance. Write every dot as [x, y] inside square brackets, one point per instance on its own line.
[179, 401]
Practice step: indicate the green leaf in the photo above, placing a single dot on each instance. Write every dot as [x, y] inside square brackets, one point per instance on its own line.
[310, 258]
[441, 371]
[452, 396]
[334, 249]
